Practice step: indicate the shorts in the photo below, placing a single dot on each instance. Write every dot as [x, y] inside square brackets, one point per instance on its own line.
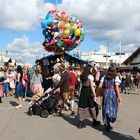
[72, 91]
[65, 96]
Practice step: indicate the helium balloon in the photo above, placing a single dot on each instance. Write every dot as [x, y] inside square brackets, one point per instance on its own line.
[77, 32]
[61, 32]
[74, 27]
[79, 24]
[67, 26]
[65, 34]
[67, 41]
[73, 19]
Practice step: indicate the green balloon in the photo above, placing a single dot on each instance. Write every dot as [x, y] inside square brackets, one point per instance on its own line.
[60, 43]
[82, 36]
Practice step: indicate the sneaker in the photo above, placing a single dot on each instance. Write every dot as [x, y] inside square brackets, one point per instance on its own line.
[19, 106]
[30, 103]
[58, 114]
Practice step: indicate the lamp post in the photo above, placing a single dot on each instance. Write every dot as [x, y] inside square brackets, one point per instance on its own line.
[107, 55]
[120, 52]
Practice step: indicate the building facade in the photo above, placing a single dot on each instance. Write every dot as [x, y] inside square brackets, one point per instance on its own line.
[104, 58]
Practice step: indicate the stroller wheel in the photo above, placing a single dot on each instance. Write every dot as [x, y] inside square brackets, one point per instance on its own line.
[30, 112]
[44, 113]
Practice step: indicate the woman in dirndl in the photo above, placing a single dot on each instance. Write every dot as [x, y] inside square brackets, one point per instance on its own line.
[1, 83]
[19, 86]
[87, 106]
[111, 97]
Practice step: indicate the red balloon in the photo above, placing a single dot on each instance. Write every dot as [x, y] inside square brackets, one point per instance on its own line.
[54, 30]
[52, 11]
[67, 41]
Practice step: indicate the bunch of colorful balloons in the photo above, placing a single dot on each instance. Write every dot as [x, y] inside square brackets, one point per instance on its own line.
[62, 33]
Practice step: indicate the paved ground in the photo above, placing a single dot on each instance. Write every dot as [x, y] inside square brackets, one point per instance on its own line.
[15, 124]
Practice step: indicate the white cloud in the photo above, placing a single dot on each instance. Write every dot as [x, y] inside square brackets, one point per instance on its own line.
[20, 15]
[125, 48]
[21, 48]
[103, 49]
[113, 20]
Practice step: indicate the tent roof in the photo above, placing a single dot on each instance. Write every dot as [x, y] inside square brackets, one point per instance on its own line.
[65, 54]
[132, 56]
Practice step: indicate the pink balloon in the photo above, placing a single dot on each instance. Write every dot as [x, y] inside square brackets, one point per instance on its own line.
[77, 42]
[79, 24]
[52, 42]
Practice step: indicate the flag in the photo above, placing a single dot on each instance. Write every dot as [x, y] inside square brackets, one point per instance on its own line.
[54, 1]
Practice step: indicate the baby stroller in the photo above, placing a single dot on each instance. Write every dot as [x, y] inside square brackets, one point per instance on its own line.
[44, 106]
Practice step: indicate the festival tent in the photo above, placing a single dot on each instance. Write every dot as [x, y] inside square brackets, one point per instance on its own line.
[47, 64]
[49, 61]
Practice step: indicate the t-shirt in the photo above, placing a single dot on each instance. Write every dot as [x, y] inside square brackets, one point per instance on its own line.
[73, 78]
[56, 78]
[36, 79]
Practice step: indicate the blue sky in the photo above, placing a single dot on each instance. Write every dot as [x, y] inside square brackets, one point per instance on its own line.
[7, 36]
[35, 34]
[104, 21]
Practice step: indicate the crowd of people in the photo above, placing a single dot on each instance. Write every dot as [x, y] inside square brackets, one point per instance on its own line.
[129, 81]
[90, 83]
[14, 82]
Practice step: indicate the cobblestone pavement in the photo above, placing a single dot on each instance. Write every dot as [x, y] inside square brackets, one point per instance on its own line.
[17, 125]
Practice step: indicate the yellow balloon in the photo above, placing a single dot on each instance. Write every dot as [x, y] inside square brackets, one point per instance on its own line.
[66, 34]
[67, 26]
[74, 27]
[61, 24]
[77, 32]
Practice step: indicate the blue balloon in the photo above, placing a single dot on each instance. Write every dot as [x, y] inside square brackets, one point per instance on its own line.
[55, 29]
[46, 34]
[48, 16]
[43, 26]
[47, 21]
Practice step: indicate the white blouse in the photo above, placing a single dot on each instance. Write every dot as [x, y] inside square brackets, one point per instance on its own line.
[91, 78]
[117, 80]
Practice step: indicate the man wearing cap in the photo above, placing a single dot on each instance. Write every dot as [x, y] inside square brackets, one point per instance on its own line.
[64, 85]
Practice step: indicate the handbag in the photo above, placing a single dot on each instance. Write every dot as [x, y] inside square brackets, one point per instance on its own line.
[1, 90]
